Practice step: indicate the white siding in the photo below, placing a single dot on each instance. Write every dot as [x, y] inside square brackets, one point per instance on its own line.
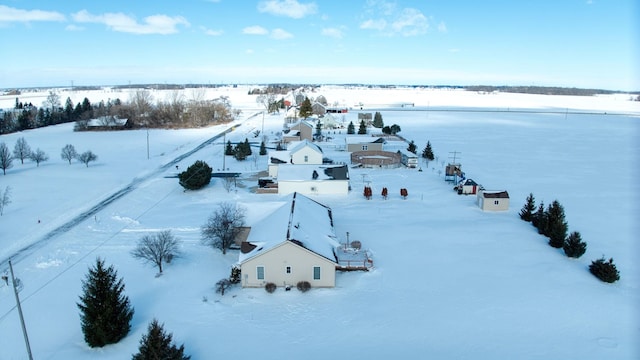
[313, 187]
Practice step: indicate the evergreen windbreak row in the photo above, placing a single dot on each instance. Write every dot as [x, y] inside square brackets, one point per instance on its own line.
[551, 223]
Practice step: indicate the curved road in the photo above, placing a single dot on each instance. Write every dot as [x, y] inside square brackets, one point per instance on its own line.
[25, 251]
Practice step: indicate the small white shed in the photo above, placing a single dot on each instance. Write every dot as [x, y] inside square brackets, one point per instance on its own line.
[493, 200]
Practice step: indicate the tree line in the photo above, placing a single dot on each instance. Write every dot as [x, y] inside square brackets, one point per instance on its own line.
[140, 111]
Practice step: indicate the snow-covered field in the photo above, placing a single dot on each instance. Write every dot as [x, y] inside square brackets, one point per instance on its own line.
[450, 281]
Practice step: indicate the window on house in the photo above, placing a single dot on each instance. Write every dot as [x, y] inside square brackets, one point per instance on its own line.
[306, 158]
[316, 273]
[288, 269]
[260, 274]
[496, 202]
[365, 147]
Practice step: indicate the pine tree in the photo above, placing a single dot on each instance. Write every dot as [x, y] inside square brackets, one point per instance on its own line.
[526, 213]
[377, 120]
[351, 129]
[538, 218]
[305, 108]
[229, 149]
[157, 344]
[557, 227]
[604, 270]
[362, 130]
[105, 311]
[196, 176]
[412, 147]
[427, 153]
[574, 247]
[263, 149]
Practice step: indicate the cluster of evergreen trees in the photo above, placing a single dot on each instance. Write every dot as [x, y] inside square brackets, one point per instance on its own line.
[242, 150]
[551, 223]
[27, 116]
[106, 313]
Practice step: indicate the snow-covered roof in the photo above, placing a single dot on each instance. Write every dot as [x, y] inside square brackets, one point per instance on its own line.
[282, 155]
[289, 172]
[297, 145]
[493, 194]
[302, 220]
[363, 140]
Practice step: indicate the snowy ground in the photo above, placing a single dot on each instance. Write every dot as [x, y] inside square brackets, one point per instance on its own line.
[450, 281]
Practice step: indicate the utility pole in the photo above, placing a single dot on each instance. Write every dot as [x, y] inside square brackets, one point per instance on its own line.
[24, 328]
[224, 148]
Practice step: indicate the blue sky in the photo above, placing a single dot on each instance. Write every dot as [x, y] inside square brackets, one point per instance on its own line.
[572, 43]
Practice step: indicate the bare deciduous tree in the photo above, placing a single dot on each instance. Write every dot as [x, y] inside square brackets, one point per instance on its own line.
[6, 159]
[157, 249]
[52, 101]
[38, 156]
[223, 226]
[87, 157]
[228, 183]
[5, 199]
[68, 153]
[21, 150]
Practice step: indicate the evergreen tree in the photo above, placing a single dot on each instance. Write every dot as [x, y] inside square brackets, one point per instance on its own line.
[229, 149]
[157, 345]
[427, 153]
[318, 133]
[395, 128]
[604, 270]
[196, 176]
[526, 213]
[305, 108]
[377, 120]
[538, 218]
[246, 147]
[386, 130]
[263, 149]
[351, 129]
[362, 130]
[574, 247]
[412, 147]
[105, 312]
[557, 227]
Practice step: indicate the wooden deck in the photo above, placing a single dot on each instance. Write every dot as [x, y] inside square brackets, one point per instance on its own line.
[351, 259]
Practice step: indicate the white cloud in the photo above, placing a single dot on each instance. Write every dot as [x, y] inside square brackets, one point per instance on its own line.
[387, 19]
[442, 27]
[411, 22]
[371, 24]
[9, 14]
[249, 51]
[280, 34]
[211, 32]
[332, 32]
[288, 8]
[73, 27]
[255, 30]
[154, 24]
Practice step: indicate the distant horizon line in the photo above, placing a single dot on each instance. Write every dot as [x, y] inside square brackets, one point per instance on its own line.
[550, 90]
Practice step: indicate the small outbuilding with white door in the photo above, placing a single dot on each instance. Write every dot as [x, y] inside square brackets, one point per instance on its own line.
[493, 200]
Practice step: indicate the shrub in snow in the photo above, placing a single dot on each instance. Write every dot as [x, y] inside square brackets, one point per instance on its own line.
[196, 176]
[574, 247]
[222, 286]
[404, 193]
[270, 287]
[604, 270]
[303, 286]
[385, 193]
[157, 344]
[235, 275]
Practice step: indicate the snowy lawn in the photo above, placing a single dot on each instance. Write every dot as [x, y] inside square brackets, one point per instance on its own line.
[450, 281]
